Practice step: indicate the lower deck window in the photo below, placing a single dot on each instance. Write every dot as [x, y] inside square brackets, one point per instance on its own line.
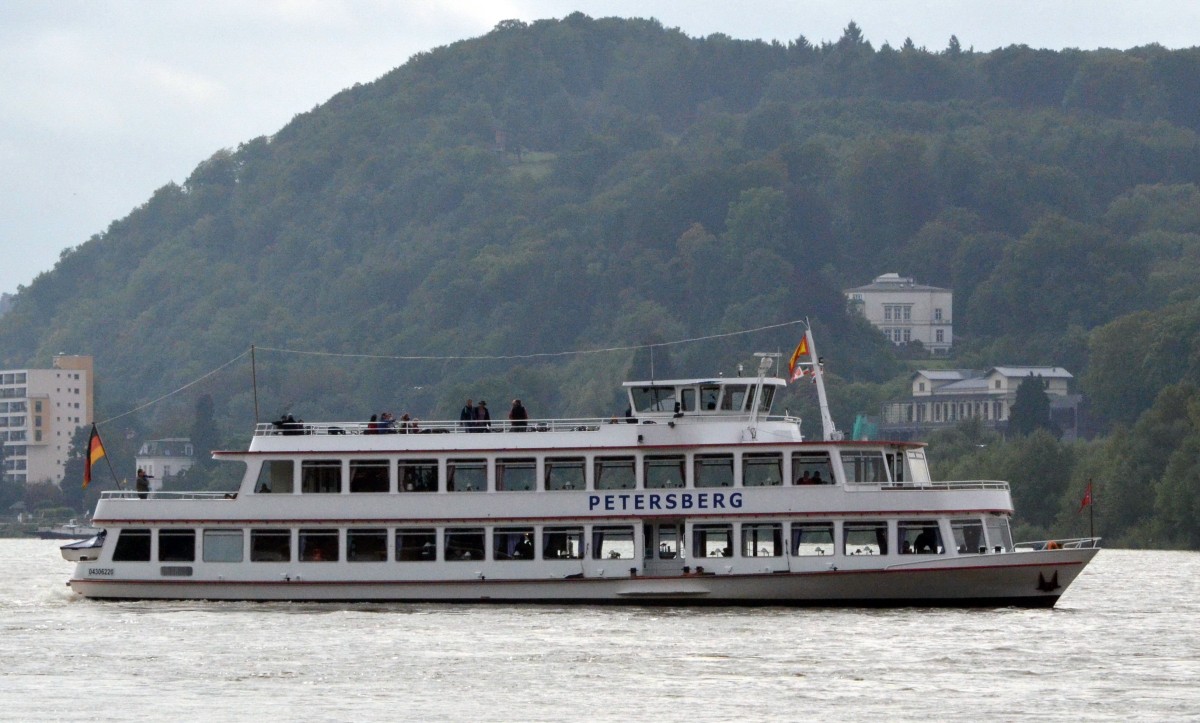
[270, 545]
[712, 540]
[132, 546]
[864, 467]
[416, 545]
[223, 545]
[812, 539]
[417, 475]
[762, 540]
[999, 536]
[864, 538]
[664, 471]
[466, 475]
[513, 543]
[177, 546]
[369, 475]
[275, 477]
[465, 544]
[762, 469]
[713, 470]
[320, 476]
[516, 475]
[612, 543]
[562, 543]
[812, 468]
[366, 545]
[968, 536]
[565, 473]
[920, 537]
[319, 546]
[615, 473]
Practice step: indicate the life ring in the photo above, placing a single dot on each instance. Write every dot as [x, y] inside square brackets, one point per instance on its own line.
[1053, 545]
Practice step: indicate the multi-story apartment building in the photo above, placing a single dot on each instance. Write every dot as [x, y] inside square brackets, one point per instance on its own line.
[906, 311]
[40, 410]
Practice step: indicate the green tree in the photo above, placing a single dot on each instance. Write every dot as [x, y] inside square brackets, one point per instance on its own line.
[1031, 409]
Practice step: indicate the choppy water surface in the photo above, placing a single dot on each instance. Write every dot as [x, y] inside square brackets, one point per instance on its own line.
[1123, 643]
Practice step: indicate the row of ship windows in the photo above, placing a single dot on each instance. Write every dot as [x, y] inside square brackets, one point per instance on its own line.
[564, 542]
[655, 471]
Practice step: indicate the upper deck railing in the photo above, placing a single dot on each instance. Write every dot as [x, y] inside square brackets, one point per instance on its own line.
[134, 495]
[582, 424]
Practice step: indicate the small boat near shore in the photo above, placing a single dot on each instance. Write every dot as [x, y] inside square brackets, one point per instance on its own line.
[72, 530]
[699, 495]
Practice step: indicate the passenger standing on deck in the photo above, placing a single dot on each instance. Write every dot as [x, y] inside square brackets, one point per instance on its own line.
[143, 483]
[467, 416]
[518, 416]
[483, 418]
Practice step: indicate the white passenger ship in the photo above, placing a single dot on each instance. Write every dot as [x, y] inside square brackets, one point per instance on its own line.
[697, 496]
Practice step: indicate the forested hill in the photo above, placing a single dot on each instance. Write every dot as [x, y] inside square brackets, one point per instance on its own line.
[586, 183]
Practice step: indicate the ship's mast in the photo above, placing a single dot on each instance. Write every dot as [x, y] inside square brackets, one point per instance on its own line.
[830, 432]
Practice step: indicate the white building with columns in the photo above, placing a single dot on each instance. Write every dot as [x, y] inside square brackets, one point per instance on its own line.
[906, 311]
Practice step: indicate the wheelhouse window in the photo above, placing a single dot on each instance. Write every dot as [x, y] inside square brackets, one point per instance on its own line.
[709, 393]
[275, 477]
[562, 543]
[734, 398]
[864, 467]
[762, 469]
[565, 473]
[176, 545]
[812, 468]
[713, 470]
[133, 545]
[664, 470]
[968, 536]
[762, 540]
[513, 543]
[464, 544]
[864, 538]
[919, 537]
[812, 539]
[417, 475]
[366, 545]
[612, 543]
[516, 475]
[615, 473]
[319, 546]
[712, 540]
[270, 545]
[369, 475]
[320, 476]
[466, 475]
[653, 399]
[223, 545]
[687, 399]
[416, 545]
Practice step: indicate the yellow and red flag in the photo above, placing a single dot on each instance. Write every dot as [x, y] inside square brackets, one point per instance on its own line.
[795, 367]
[95, 450]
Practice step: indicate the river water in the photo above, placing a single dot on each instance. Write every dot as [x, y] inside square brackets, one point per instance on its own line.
[1122, 644]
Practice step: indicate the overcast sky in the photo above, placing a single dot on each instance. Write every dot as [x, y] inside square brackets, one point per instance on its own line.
[104, 101]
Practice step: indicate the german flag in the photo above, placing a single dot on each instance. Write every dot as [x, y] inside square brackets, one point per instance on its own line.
[95, 450]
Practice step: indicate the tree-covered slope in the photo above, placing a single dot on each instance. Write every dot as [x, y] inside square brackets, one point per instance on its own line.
[586, 183]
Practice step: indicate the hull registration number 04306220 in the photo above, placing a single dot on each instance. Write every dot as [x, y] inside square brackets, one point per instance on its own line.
[106, 571]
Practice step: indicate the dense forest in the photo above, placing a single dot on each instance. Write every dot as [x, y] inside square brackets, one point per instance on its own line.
[584, 184]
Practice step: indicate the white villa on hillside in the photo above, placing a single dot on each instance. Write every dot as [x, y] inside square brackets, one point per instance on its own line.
[906, 311]
[945, 397]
